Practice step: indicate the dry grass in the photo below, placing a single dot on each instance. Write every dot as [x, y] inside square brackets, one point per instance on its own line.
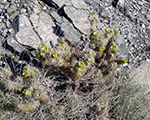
[130, 100]
[114, 98]
[117, 98]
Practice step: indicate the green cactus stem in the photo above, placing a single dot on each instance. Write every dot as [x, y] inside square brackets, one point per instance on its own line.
[102, 37]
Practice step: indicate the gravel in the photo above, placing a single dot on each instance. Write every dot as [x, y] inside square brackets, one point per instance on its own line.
[39, 21]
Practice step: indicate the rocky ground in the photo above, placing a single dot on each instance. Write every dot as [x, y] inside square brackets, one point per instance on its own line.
[24, 24]
[30, 22]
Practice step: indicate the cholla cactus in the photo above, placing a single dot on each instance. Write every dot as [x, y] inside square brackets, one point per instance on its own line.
[93, 18]
[12, 86]
[102, 56]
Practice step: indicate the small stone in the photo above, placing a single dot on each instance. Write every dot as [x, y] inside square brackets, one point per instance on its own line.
[104, 14]
[146, 36]
[140, 3]
[114, 3]
[3, 1]
[126, 32]
[23, 10]
[106, 0]
[148, 16]
[12, 9]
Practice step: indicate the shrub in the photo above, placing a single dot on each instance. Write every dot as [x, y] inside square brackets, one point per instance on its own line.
[102, 56]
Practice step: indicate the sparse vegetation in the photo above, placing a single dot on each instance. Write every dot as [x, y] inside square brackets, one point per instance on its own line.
[74, 84]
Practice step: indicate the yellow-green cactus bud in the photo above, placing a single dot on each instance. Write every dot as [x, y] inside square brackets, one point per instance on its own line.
[110, 72]
[53, 111]
[114, 64]
[112, 54]
[45, 49]
[26, 92]
[88, 59]
[101, 48]
[78, 74]
[38, 55]
[42, 54]
[28, 68]
[40, 46]
[25, 74]
[99, 73]
[31, 87]
[107, 29]
[39, 88]
[35, 69]
[125, 60]
[113, 47]
[80, 64]
[96, 33]
[58, 46]
[62, 107]
[88, 63]
[62, 39]
[91, 37]
[109, 35]
[79, 69]
[62, 45]
[54, 54]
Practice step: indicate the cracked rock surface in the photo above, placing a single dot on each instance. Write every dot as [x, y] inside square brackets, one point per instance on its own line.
[31, 22]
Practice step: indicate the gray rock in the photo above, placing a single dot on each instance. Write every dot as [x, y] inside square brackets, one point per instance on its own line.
[107, 0]
[43, 25]
[101, 11]
[121, 3]
[140, 3]
[148, 16]
[72, 34]
[12, 8]
[3, 1]
[79, 18]
[26, 34]
[2, 50]
[147, 42]
[105, 14]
